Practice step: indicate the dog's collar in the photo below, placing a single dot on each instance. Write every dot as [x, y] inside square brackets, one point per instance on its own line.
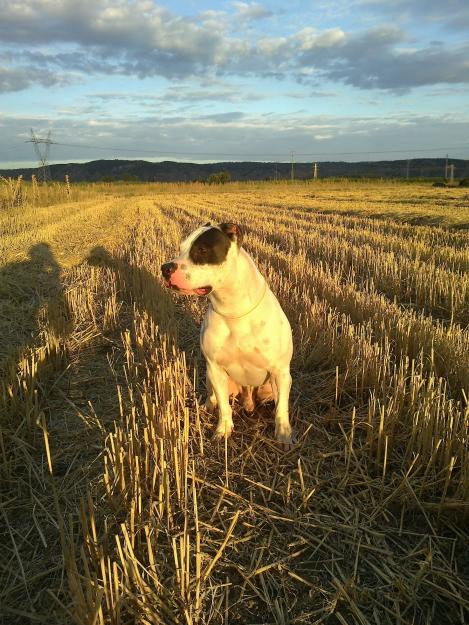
[246, 313]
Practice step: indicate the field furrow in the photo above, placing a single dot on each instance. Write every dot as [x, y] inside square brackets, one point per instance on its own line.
[119, 508]
[444, 350]
[422, 284]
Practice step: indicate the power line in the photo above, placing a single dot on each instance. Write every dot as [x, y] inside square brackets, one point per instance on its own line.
[402, 151]
[190, 153]
[258, 154]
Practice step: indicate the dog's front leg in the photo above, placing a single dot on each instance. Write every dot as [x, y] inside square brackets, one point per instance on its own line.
[211, 401]
[218, 381]
[282, 381]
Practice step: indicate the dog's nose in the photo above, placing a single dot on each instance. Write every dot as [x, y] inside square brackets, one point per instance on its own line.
[167, 269]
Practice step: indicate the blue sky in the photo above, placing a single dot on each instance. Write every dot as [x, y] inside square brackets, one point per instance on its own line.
[204, 81]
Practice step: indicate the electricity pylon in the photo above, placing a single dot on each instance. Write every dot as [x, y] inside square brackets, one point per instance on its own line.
[42, 154]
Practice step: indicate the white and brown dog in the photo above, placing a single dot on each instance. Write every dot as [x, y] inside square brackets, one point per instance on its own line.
[245, 336]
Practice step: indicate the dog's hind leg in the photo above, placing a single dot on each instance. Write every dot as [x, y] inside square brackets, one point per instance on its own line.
[266, 392]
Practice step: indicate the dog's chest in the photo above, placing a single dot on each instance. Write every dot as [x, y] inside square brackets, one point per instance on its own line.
[232, 353]
[244, 345]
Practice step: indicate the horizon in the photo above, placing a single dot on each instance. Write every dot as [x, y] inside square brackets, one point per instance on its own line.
[35, 165]
[409, 167]
[359, 81]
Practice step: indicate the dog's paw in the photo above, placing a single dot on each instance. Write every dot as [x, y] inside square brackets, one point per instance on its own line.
[283, 434]
[223, 430]
[249, 406]
[210, 405]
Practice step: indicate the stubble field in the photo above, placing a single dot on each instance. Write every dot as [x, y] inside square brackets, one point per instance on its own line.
[117, 507]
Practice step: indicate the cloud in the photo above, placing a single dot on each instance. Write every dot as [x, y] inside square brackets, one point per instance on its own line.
[238, 136]
[139, 38]
[385, 68]
[453, 14]
[128, 33]
[249, 11]
[182, 94]
[309, 39]
[221, 118]
[376, 59]
[312, 94]
[17, 79]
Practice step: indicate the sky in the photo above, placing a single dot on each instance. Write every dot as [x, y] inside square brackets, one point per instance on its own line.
[227, 81]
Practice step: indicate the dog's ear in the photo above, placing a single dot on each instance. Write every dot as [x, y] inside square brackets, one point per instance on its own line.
[233, 231]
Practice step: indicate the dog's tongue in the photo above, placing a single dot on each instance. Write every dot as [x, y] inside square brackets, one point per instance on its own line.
[204, 290]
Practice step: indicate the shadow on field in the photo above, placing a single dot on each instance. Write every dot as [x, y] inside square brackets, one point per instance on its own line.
[142, 288]
[35, 321]
[30, 289]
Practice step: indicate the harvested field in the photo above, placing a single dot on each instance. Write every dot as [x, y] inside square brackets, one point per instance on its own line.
[118, 507]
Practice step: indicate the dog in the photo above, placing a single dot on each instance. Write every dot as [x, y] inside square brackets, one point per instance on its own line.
[245, 336]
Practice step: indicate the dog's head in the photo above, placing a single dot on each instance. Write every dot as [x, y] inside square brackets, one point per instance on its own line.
[206, 258]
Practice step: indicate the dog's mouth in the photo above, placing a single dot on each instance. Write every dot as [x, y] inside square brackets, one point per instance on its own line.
[201, 291]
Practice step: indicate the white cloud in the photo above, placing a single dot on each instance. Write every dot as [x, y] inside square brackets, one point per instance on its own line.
[272, 46]
[248, 11]
[50, 38]
[323, 137]
[309, 38]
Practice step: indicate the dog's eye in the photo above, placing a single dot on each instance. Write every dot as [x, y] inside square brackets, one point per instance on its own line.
[200, 254]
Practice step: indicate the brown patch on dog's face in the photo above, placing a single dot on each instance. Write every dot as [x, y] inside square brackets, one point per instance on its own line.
[205, 261]
[210, 248]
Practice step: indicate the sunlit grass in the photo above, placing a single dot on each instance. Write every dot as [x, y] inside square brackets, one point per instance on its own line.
[119, 508]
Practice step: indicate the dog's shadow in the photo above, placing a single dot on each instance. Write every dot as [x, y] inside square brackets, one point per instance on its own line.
[139, 287]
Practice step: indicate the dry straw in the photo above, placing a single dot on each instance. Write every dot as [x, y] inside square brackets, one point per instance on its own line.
[118, 508]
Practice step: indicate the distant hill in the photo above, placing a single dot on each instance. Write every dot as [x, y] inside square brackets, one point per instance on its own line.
[172, 171]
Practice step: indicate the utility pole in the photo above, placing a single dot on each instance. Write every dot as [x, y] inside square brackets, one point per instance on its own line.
[292, 155]
[451, 173]
[42, 155]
